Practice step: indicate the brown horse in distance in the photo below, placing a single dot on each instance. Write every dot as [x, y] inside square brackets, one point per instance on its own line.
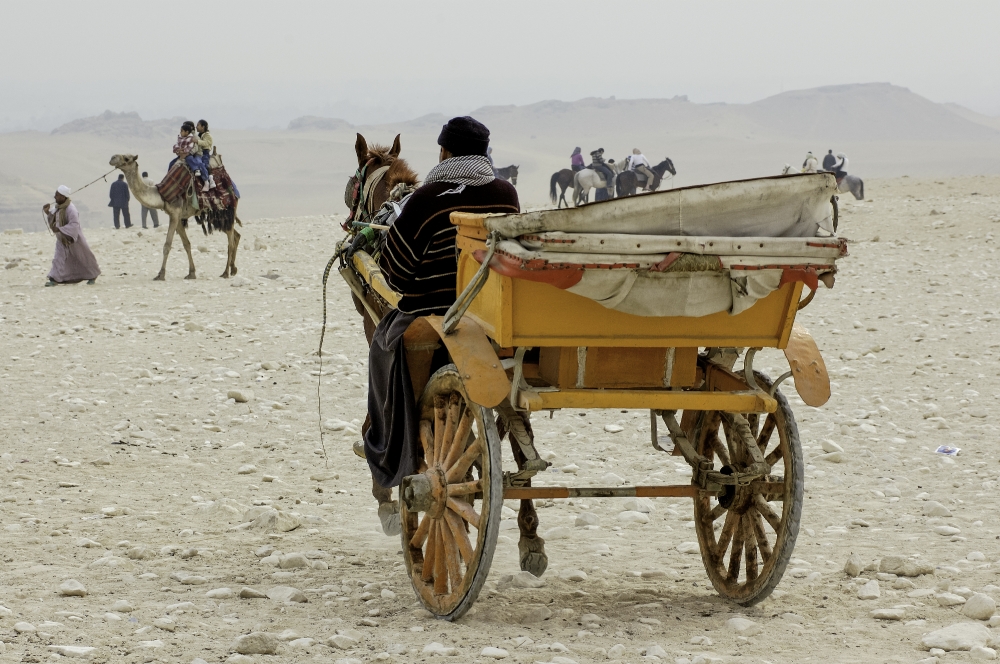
[564, 179]
[627, 182]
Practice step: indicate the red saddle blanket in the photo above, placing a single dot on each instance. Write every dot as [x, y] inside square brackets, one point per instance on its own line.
[179, 181]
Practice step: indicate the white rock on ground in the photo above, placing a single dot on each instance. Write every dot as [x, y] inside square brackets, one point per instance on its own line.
[854, 565]
[979, 607]
[870, 590]
[960, 636]
[255, 643]
[72, 588]
[494, 653]
[743, 626]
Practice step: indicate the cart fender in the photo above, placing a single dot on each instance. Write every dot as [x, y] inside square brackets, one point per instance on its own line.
[484, 377]
[807, 366]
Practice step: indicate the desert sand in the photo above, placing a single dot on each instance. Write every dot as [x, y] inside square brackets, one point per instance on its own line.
[126, 469]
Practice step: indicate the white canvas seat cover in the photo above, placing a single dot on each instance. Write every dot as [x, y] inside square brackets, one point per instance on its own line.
[781, 206]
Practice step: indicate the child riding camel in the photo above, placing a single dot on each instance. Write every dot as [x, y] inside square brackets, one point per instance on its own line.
[205, 145]
[186, 147]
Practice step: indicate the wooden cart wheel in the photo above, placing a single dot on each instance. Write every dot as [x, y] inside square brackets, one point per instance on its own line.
[450, 512]
[747, 554]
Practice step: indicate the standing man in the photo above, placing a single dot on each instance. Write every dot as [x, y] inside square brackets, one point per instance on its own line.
[146, 210]
[829, 160]
[419, 261]
[119, 200]
[73, 260]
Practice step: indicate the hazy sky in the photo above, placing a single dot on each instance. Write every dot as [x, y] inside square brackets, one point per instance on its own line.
[261, 63]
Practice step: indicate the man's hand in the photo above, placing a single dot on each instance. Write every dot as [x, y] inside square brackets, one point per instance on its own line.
[45, 208]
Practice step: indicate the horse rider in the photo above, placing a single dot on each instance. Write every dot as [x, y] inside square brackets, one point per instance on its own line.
[839, 168]
[811, 164]
[638, 162]
[602, 169]
[829, 160]
[419, 261]
[576, 160]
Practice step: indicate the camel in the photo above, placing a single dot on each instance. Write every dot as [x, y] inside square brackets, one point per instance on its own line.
[179, 214]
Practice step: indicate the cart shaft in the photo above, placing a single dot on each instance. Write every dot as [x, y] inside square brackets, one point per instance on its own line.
[664, 491]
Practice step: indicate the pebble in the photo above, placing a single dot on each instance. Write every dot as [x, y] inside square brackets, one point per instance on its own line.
[611, 479]
[122, 606]
[274, 521]
[743, 626]
[286, 594]
[255, 643]
[689, 547]
[387, 594]
[888, 614]
[979, 607]
[949, 599]
[947, 530]
[934, 508]
[533, 613]
[854, 565]
[302, 643]
[557, 533]
[629, 516]
[586, 519]
[239, 659]
[960, 636]
[614, 428]
[250, 593]
[644, 505]
[494, 653]
[72, 588]
[616, 651]
[870, 590]
[342, 641]
[435, 648]
[247, 469]
[573, 575]
[293, 561]
[983, 653]
[166, 624]
[830, 446]
[220, 593]
[523, 579]
[241, 396]
[80, 652]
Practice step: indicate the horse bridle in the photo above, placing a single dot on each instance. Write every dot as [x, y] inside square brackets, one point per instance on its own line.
[359, 190]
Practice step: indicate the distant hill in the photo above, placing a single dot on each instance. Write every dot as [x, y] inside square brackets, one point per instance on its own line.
[972, 116]
[122, 125]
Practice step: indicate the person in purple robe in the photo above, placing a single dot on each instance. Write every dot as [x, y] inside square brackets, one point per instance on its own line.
[73, 261]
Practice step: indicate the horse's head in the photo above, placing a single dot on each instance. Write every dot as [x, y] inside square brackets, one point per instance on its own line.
[513, 175]
[666, 165]
[380, 170]
[123, 160]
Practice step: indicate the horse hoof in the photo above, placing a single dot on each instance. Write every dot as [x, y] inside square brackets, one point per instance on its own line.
[191, 276]
[159, 277]
[224, 275]
[232, 271]
[388, 514]
[533, 558]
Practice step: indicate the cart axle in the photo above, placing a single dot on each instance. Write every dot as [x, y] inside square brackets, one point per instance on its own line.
[667, 491]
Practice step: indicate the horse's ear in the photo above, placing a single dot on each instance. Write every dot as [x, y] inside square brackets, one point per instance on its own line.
[361, 148]
[394, 152]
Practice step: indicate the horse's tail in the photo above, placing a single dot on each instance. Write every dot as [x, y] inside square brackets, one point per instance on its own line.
[552, 186]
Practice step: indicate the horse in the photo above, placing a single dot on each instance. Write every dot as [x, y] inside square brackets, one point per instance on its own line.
[849, 183]
[507, 173]
[853, 184]
[587, 179]
[564, 179]
[628, 181]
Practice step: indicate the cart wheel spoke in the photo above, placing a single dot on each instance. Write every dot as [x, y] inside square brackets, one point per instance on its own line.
[728, 528]
[427, 573]
[765, 432]
[716, 512]
[465, 510]
[459, 439]
[767, 512]
[420, 536]
[457, 472]
[773, 457]
[440, 560]
[427, 441]
[465, 488]
[461, 536]
[760, 534]
[440, 417]
[750, 547]
[452, 415]
[736, 554]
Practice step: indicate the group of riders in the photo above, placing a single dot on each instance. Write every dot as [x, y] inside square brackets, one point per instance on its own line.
[607, 169]
[836, 165]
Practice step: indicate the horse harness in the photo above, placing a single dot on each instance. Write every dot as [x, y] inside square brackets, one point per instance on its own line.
[359, 192]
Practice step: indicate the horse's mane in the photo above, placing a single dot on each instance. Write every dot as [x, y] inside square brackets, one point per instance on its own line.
[399, 171]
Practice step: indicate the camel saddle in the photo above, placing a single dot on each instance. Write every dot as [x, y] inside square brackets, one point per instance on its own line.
[180, 182]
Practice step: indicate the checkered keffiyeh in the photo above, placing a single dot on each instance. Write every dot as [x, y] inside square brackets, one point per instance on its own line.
[470, 170]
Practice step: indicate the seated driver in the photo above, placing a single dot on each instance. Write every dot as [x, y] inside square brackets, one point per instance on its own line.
[420, 262]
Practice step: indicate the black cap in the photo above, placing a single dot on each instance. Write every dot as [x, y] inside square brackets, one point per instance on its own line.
[464, 136]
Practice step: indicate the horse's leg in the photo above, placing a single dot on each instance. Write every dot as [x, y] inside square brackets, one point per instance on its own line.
[187, 247]
[171, 229]
[530, 546]
[388, 510]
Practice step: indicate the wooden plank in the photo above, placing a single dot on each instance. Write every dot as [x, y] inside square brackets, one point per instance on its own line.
[733, 402]
[665, 491]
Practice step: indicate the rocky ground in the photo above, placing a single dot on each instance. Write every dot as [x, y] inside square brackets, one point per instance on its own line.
[126, 469]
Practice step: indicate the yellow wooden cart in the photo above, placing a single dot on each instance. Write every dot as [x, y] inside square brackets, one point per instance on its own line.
[519, 346]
